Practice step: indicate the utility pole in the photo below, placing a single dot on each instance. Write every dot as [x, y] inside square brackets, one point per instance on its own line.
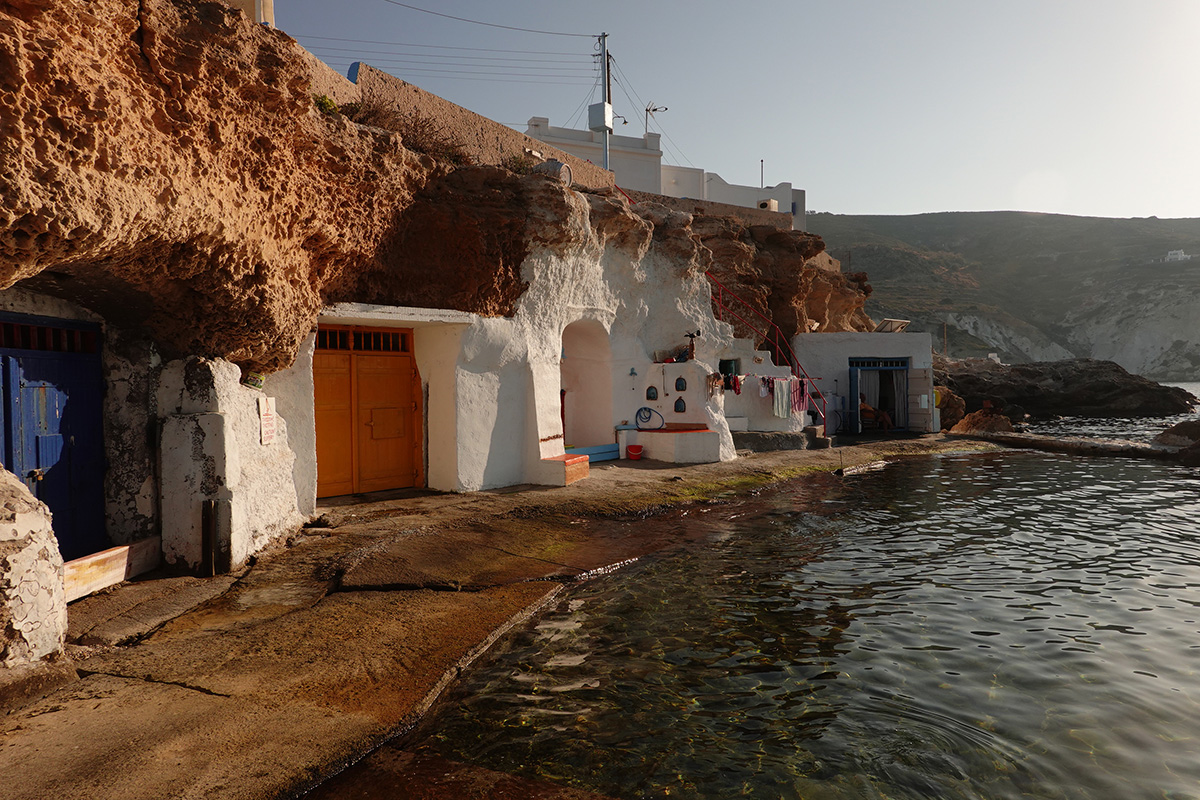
[607, 76]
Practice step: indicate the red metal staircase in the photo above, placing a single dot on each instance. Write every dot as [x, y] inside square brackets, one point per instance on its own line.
[731, 307]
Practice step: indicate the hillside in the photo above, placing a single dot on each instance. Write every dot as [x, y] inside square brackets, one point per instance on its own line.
[1033, 287]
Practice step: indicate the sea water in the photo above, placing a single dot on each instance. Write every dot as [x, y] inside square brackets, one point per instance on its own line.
[1138, 429]
[1001, 625]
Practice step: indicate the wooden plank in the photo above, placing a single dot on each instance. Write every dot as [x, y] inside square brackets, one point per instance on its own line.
[108, 567]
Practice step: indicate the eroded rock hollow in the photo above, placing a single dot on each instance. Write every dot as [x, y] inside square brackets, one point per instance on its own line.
[163, 164]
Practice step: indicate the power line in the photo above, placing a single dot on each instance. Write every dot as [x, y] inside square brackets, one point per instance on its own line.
[329, 48]
[488, 24]
[433, 74]
[505, 69]
[622, 83]
[587, 97]
[436, 46]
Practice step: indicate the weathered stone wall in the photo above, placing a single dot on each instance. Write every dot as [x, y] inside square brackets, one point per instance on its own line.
[131, 375]
[211, 449]
[487, 141]
[33, 608]
[325, 80]
[710, 208]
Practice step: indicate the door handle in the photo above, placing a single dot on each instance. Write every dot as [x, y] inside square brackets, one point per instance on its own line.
[36, 474]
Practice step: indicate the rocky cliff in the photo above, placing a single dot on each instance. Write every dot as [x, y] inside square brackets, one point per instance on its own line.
[163, 164]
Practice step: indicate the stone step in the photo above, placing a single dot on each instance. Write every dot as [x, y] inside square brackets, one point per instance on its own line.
[767, 441]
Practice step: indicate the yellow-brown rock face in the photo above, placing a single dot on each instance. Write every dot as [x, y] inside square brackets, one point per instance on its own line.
[785, 275]
[162, 164]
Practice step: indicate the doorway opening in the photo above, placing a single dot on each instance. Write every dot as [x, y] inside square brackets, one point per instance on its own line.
[883, 384]
[368, 410]
[586, 385]
[53, 426]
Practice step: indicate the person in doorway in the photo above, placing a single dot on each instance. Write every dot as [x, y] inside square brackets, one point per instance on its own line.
[881, 418]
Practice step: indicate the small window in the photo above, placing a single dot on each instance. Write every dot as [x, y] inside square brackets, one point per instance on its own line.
[680, 384]
[651, 392]
[680, 406]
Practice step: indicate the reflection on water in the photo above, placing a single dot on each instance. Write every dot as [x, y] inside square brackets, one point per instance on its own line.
[996, 626]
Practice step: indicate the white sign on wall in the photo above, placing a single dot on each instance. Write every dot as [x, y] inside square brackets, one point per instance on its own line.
[266, 419]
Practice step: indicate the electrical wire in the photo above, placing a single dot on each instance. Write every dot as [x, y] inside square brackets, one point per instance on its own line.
[427, 73]
[492, 69]
[433, 46]
[622, 82]
[588, 96]
[330, 48]
[488, 24]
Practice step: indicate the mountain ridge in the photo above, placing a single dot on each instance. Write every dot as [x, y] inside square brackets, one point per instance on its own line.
[1031, 286]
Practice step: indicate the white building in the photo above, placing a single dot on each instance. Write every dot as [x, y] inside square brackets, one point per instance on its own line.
[637, 164]
[893, 371]
[1177, 255]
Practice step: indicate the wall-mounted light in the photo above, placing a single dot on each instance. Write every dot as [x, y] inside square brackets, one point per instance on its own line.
[632, 372]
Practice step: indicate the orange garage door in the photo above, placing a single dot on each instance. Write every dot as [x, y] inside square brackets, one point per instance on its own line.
[368, 410]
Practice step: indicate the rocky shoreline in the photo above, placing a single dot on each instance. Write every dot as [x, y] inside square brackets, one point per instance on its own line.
[268, 682]
[1081, 387]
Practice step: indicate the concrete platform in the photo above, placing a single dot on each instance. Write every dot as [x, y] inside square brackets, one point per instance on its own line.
[265, 684]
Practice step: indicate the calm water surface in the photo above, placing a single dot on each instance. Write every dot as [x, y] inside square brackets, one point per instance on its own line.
[1138, 429]
[989, 626]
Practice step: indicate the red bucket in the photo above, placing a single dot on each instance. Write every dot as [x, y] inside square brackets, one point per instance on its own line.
[633, 452]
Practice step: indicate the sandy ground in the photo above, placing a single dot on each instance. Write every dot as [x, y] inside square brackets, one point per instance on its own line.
[269, 682]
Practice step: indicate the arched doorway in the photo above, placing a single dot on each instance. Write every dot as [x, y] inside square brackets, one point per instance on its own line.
[586, 388]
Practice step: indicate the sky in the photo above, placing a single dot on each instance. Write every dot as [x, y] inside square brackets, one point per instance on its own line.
[1084, 107]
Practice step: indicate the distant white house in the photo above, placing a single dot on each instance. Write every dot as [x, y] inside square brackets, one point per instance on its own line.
[1177, 255]
[261, 11]
[636, 161]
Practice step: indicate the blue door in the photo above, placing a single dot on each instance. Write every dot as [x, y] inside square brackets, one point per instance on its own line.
[854, 424]
[53, 426]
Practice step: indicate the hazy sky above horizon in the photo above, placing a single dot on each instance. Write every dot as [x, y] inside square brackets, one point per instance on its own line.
[1087, 107]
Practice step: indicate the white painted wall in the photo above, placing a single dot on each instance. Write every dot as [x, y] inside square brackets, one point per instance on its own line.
[211, 449]
[636, 163]
[683, 182]
[758, 411]
[634, 160]
[587, 376]
[827, 356]
[292, 389]
[719, 190]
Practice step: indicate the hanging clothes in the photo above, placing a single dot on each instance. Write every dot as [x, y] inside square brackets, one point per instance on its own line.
[782, 396]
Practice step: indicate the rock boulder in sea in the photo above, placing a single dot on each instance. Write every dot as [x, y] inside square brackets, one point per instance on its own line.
[983, 421]
[1190, 456]
[1183, 434]
[1074, 387]
[952, 407]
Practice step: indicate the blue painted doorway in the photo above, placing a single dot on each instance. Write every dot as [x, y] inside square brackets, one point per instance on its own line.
[53, 391]
[889, 377]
